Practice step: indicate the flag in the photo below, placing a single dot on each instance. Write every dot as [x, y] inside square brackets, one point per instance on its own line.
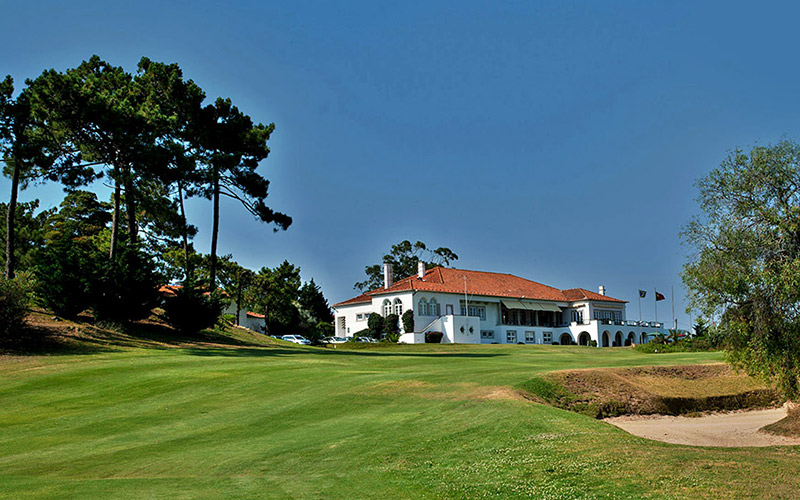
[659, 297]
[642, 294]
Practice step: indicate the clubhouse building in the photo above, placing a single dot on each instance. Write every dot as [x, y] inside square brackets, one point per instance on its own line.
[476, 307]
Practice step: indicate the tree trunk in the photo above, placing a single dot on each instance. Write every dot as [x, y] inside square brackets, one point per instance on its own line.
[112, 254]
[187, 269]
[239, 296]
[130, 210]
[10, 223]
[214, 233]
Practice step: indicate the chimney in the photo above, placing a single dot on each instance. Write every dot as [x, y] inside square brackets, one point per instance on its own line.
[420, 269]
[387, 275]
[602, 290]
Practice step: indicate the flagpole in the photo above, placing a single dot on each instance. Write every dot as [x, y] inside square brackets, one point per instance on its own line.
[640, 308]
[674, 325]
[655, 303]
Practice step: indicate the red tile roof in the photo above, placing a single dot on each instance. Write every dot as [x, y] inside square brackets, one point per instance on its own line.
[584, 294]
[361, 299]
[447, 280]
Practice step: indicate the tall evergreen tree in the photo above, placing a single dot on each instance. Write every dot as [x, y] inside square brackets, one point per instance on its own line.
[312, 300]
[231, 149]
[31, 150]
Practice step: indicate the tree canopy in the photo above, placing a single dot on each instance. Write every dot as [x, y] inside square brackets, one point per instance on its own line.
[744, 265]
[151, 134]
[404, 257]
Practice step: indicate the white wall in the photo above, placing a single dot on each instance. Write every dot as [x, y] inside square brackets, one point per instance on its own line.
[451, 327]
[350, 314]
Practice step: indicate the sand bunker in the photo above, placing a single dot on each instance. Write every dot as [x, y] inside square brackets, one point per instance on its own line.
[734, 429]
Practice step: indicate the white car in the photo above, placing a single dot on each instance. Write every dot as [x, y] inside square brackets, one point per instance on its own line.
[297, 339]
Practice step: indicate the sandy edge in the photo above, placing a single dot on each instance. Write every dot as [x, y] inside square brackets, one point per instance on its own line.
[729, 429]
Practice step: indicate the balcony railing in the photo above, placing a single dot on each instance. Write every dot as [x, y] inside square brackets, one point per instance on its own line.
[640, 324]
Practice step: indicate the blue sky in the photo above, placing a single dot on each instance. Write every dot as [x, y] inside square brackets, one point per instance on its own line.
[558, 141]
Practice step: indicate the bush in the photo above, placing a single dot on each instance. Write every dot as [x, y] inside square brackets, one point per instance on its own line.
[14, 296]
[64, 273]
[433, 337]
[127, 288]
[191, 310]
[318, 331]
[391, 324]
[375, 325]
[684, 345]
[391, 337]
[408, 321]
[73, 276]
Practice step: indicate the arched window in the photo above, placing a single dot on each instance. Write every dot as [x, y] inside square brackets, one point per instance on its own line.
[433, 308]
[423, 307]
[398, 307]
[387, 308]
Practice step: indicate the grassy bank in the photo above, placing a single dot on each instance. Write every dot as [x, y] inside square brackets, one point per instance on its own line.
[208, 420]
[664, 390]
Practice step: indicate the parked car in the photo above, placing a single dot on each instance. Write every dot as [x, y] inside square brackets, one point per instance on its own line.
[337, 340]
[297, 339]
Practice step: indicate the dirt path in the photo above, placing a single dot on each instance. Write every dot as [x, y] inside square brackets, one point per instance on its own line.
[732, 429]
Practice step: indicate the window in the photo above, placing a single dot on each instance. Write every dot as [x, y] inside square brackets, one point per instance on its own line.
[608, 315]
[547, 337]
[433, 308]
[361, 317]
[387, 308]
[398, 307]
[577, 315]
[510, 317]
[478, 311]
[487, 334]
[530, 337]
[423, 307]
[511, 336]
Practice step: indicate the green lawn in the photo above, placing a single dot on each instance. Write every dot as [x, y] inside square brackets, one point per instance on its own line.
[294, 422]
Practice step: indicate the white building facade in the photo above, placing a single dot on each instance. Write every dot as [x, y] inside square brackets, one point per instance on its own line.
[477, 307]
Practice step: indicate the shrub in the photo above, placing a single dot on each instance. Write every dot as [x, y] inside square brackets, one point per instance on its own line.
[318, 331]
[126, 289]
[391, 324]
[191, 310]
[408, 321]
[391, 337]
[64, 273]
[375, 325]
[683, 345]
[74, 275]
[433, 337]
[14, 296]
[360, 333]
